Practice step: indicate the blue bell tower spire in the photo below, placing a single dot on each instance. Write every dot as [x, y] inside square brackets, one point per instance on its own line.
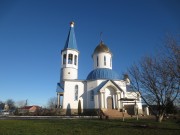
[71, 39]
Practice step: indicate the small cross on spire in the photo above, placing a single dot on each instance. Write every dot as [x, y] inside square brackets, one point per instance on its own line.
[101, 36]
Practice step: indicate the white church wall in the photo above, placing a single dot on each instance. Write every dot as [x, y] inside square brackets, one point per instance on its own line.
[97, 101]
[122, 85]
[69, 94]
[91, 104]
[69, 73]
[90, 86]
[131, 95]
[139, 105]
[135, 95]
[99, 82]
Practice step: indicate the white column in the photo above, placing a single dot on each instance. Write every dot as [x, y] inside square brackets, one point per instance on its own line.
[124, 94]
[62, 100]
[114, 102]
[73, 59]
[102, 100]
[105, 104]
[67, 58]
[146, 110]
[58, 100]
[118, 98]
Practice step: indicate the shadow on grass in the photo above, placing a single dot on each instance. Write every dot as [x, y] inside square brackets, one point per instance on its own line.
[139, 125]
[144, 126]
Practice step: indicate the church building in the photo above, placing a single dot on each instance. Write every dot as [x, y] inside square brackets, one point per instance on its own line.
[102, 89]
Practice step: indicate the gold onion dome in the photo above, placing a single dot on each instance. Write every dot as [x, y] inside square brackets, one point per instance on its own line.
[101, 48]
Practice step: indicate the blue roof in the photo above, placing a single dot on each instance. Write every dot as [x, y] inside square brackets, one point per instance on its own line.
[71, 40]
[103, 73]
[100, 85]
[60, 87]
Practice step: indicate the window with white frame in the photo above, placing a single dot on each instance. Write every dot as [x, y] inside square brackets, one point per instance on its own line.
[92, 95]
[75, 60]
[110, 62]
[76, 93]
[70, 58]
[64, 59]
[104, 60]
[97, 61]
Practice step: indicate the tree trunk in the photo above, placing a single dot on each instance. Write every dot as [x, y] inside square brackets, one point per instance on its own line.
[159, 118]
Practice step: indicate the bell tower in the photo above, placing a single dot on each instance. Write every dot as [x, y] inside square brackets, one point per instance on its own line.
[69, 57]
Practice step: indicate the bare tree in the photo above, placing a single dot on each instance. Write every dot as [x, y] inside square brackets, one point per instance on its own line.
[172, 60]
[172, 54]
[21, 103]
[52, 102]
[157, 78]
[1, 105]
[11, 104]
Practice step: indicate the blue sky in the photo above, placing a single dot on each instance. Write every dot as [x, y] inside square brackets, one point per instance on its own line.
[33, 32]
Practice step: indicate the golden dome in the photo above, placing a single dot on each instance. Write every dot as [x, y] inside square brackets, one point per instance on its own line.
[101, 48]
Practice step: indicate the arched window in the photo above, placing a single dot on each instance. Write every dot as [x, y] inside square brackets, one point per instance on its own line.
[92, 95]
[97, 61]
[75, 60]
[70, 58]
[64, 59]
[76, 93]
[104, 60]
[110, 62]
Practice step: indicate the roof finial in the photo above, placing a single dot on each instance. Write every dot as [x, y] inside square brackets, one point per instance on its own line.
[72, 24]
[101, 36]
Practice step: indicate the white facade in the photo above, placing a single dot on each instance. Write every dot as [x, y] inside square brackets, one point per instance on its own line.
[102, 89]
[69, 94]
[102, 60]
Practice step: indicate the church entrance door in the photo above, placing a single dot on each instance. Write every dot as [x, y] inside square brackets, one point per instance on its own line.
[109, 103]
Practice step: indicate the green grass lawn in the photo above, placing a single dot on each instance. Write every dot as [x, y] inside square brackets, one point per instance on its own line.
[88, 127]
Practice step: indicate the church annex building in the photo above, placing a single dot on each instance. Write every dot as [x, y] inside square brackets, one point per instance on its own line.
[102, 89]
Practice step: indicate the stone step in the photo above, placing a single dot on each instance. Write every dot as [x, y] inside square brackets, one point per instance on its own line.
[113, 113]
